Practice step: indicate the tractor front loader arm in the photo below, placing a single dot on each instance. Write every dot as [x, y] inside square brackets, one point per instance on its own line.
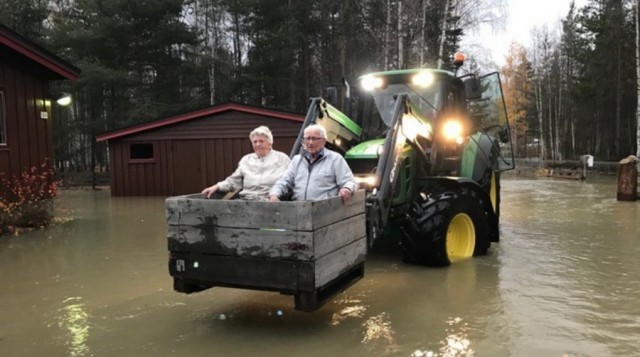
[315, 108]
[389, 162]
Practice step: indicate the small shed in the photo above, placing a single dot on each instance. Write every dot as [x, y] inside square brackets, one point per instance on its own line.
[26, 133]
[185, 153]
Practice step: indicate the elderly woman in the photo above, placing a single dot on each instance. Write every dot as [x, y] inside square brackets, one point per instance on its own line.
[256, 172]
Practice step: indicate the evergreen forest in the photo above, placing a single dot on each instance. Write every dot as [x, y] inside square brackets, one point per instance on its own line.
[572, 91]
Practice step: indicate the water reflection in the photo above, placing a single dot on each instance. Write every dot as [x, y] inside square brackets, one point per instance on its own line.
[455, 344]
[379, 335]
[356, 310]
[74, 320]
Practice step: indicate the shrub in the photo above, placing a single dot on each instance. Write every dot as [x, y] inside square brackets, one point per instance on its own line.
[27, 200]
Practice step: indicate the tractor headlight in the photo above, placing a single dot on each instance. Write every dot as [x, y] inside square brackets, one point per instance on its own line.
[366, 182]
[370, 83]
[412, 127]
[422, 79]
[452, 130]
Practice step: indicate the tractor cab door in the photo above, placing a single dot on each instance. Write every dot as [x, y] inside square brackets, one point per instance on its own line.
[490, 113]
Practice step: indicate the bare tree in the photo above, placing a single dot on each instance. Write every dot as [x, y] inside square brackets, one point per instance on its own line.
[422, 31]
[400, 41]
[474, 15]
[638, 79]
[443, 35]
[541, 60]
[387, 35]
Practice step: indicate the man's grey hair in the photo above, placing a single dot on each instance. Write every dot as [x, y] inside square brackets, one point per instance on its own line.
[262, 131]
[320, 128]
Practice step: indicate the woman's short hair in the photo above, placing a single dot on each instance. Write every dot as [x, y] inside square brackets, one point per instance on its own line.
[262, 131]
[319, 128]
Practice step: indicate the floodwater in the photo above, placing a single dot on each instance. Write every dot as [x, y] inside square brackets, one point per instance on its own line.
[563, 281]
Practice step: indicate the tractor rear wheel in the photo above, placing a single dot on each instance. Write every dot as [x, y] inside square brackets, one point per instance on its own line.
[490, 183]
[448, 226]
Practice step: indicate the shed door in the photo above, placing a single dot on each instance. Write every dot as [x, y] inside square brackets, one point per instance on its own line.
[186, 158]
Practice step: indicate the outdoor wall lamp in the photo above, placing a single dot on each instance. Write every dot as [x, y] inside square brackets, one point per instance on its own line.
[64, 100]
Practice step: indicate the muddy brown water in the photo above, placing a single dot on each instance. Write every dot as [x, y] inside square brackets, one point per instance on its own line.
[563, 281]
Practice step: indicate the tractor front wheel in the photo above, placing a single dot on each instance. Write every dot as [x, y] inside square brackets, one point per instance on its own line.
[448, 226]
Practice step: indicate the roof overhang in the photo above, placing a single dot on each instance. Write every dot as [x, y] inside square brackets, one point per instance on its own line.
[196, 115]
[52, 64]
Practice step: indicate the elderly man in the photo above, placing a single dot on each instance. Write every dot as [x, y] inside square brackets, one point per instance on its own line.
[317, 174]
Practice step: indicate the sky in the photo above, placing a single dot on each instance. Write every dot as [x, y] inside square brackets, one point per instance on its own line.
[522, 17]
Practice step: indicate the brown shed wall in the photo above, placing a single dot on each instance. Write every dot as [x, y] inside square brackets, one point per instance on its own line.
[29, 137]
[191, 155]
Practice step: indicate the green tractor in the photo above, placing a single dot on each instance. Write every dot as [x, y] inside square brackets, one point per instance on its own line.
[428, 146]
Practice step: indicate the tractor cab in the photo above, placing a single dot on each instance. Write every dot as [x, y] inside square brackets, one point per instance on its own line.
[443, 114]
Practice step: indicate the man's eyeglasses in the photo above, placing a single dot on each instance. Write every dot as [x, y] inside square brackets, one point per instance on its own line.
[313, 138]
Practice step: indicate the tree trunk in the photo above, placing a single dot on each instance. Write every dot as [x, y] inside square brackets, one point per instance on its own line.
[637, 80]
[387, 35]
[557, 126]
[237, 47]
[597, 134]
[212, 43]
[443, 34]
[573, 135]
[550, 116]
[400, 49]
[538, 98]
[618, 142]
[424, 22]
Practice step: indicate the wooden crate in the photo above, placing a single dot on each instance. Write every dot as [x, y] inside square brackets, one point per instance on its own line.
[311, 249]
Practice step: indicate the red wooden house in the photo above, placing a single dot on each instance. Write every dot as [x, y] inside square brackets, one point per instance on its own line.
[26, 137]
[185, 153]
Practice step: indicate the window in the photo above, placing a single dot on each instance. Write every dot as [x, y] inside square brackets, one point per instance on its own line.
[141, 152]
[3, 125]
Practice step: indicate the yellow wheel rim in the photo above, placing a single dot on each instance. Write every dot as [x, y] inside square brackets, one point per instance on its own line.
[461, 237]
[493, 192]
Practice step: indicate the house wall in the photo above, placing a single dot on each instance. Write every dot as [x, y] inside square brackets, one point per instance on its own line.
[191, 155]
[29, 138]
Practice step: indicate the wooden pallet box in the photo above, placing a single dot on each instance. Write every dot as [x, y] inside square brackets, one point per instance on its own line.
[311, 249]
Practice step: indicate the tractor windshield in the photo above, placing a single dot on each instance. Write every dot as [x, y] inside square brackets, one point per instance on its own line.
[427, 101]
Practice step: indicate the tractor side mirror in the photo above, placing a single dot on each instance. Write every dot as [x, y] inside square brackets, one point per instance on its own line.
[331, 95]
[472, 88]
[338, 95]
[503, 134]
